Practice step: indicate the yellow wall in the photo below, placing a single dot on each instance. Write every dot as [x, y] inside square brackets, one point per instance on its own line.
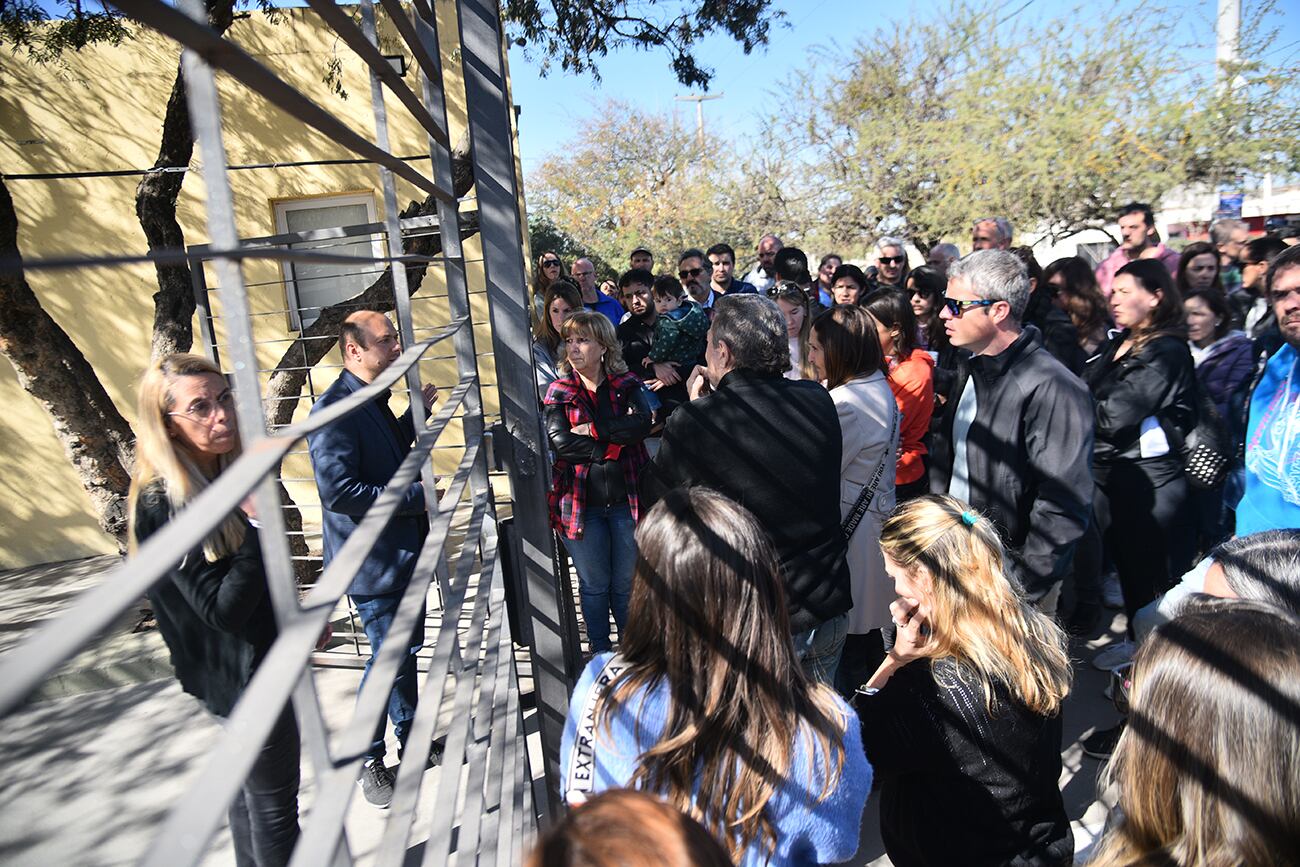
[102, 110]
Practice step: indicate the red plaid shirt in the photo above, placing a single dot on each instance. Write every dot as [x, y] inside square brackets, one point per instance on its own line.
[568, 497]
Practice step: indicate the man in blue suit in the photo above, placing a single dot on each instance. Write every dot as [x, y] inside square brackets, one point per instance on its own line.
[353, 459]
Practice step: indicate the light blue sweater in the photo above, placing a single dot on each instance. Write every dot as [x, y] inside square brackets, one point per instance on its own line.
[807, 832]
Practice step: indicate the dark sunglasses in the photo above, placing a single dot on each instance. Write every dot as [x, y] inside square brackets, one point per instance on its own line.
[550, 263]
[891, 260]
[957, 308]
[692, 272]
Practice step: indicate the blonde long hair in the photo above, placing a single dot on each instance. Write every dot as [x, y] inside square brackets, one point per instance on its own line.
[594, 326]
[157, 458]
[737, 697]
[1208, 769]
[979, 618]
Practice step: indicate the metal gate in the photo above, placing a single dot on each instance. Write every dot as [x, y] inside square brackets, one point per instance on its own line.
[486, 809]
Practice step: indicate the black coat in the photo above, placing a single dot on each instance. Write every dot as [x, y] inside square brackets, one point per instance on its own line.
[1028, 454]
[773, 445]
[959, 785]
[1060, 337]
[1158, 380]
[216, 618]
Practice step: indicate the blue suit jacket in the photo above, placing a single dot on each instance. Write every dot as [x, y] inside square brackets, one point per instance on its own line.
[353, 459]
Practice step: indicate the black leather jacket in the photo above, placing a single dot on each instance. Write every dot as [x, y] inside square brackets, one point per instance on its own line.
[1159, 380]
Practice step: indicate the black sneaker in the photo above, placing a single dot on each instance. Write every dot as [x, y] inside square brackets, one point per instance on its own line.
[376, 783]
[1101, 743]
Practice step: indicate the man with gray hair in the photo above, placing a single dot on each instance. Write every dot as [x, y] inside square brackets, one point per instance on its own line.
[991, 233]
[941, 256]
[773, 445]
[891, 264]
[1016, 438]
[1229, 238]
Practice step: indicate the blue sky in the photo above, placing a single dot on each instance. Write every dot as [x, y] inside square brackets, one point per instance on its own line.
[554, 108]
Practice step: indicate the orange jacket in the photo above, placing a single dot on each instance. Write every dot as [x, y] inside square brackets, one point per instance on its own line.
[912, 381]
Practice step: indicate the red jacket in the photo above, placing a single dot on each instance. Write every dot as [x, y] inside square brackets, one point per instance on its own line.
[568, 495]
[912, 381]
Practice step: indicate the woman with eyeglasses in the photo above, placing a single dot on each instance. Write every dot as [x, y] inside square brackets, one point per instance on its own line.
[911, 376]
[793, 303]
[1144, 386]
[213, 608]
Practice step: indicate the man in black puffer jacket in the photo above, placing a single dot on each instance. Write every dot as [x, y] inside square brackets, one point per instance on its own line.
[1016, 439]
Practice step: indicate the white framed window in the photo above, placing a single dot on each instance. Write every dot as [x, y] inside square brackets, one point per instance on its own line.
[310, 286]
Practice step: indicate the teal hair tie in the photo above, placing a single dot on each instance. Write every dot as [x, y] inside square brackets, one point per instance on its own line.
[969, 518]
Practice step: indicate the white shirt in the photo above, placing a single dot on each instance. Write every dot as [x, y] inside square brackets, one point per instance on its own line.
[967, 405]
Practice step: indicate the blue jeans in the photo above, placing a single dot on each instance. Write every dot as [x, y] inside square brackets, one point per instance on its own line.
[376, 614]
[264, 814]
[605, 558]
[819, 648]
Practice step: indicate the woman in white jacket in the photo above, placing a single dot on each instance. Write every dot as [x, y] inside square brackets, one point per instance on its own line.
[845, 351]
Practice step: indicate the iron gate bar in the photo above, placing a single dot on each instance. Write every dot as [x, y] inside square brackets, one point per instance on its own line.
[23, 668]
[555, 655]
[180, 256]
[331, 233]
[346, 29]
[199, 812]
[429, 67]
[223, 54]
[325, 823]
[205, 121]
[392, 847]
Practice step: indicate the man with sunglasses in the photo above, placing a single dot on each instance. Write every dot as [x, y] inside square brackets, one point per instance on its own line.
[891, 265]
[694, 272]
[1016, 438]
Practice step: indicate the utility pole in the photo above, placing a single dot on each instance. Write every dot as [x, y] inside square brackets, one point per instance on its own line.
[1227, 31]
[699, 111]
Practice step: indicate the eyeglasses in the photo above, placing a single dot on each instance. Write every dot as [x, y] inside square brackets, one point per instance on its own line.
[583, 273]
[784, 287]
[891, 260]
[550, 263]
[203, 409]
[689, 272]
[957, 308]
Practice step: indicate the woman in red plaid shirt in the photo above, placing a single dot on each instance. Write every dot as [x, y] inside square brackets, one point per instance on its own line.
[597, 414]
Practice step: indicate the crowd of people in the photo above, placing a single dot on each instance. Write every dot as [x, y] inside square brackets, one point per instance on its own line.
[862, 511]
[843, 526]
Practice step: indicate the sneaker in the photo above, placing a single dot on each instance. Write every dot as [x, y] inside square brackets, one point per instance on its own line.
[1111, 594]
[376, 783]
[1101, 743]
[1114, 656]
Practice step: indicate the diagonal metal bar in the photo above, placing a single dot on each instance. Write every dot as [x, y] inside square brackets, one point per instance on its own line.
[23, 668]
[346, 29]
[331, 804]
[277, 560]
[428, 65]
[447, 791]
[229, 58]
[178, 256]
[199, 813]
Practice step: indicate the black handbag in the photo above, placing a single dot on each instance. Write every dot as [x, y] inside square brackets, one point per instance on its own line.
[1207, 450]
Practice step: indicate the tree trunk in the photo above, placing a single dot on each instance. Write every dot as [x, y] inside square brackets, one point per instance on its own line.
[95, 437]
[155, 207]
